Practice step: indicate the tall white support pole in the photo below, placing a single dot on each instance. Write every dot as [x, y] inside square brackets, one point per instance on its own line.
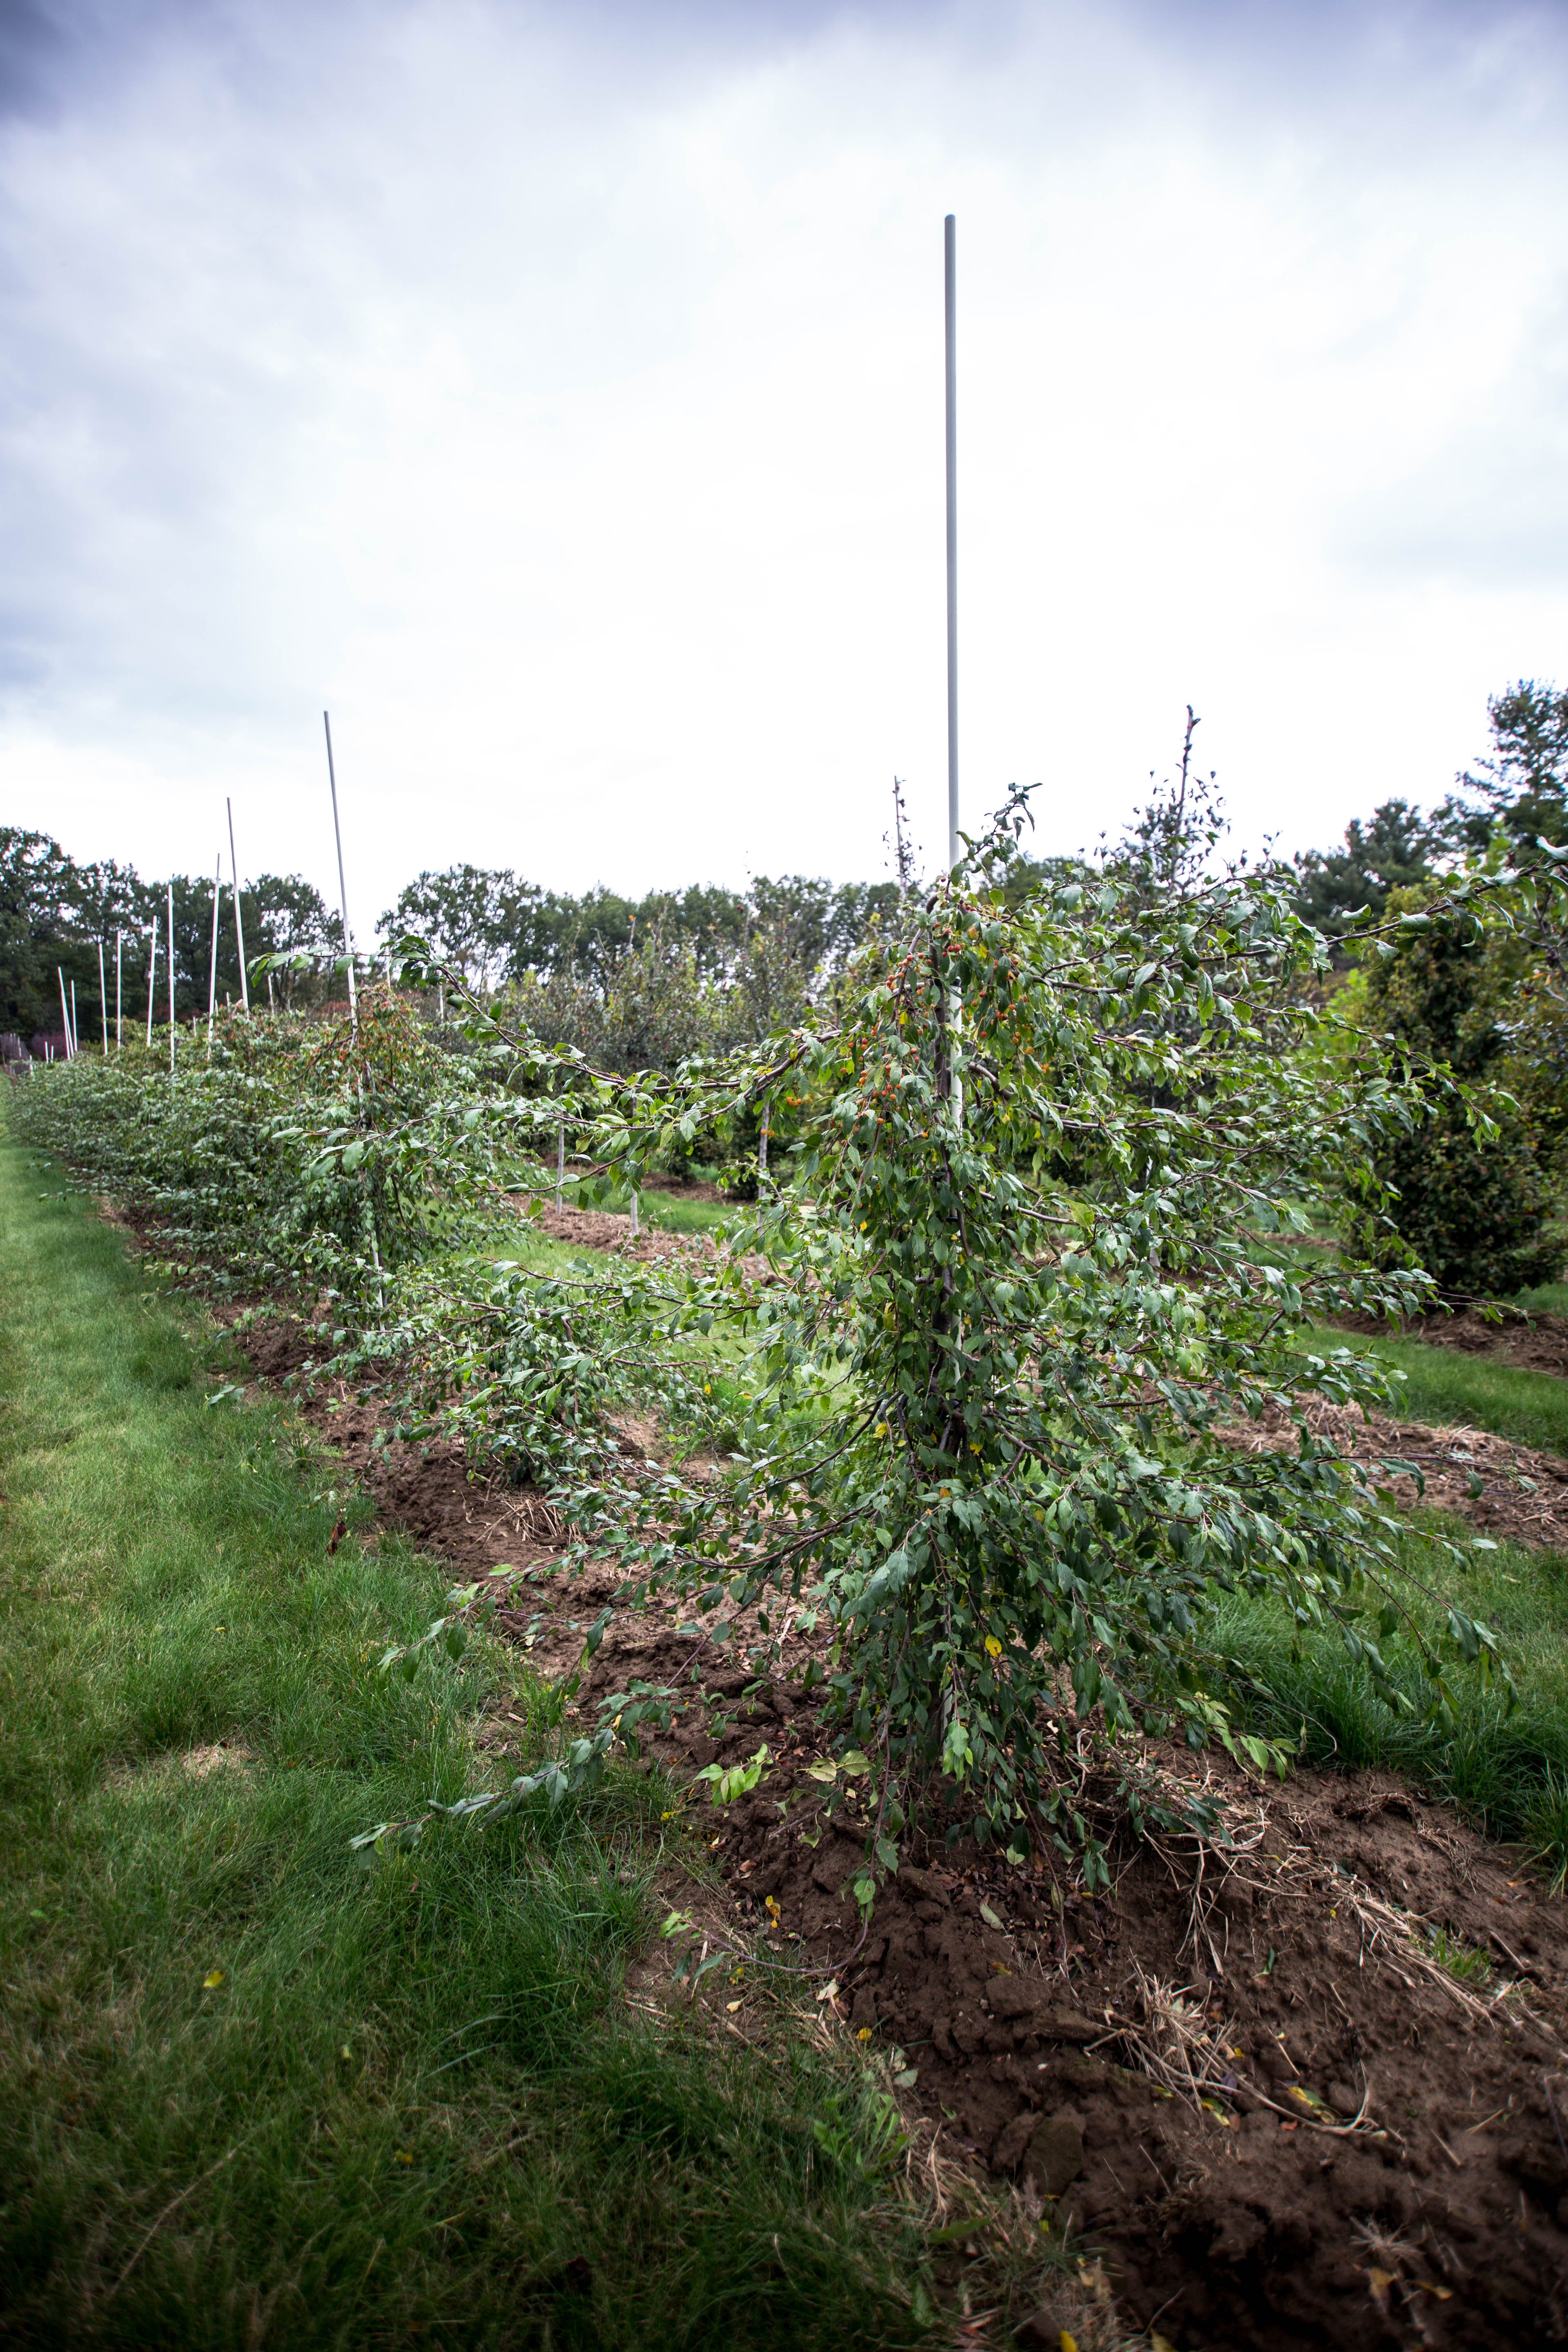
[65, 1011]
[103, 998]
[171, 981]
[343, 886]
[119, 992]
[152, 976]
[238, 919]
[950, 291]
[211, 966]
[561, 1165]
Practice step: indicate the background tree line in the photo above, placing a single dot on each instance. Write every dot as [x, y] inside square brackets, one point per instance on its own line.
[55, 914]
[644, 982]
[637, 979]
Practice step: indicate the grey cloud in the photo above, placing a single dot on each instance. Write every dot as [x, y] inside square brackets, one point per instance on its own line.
[1489, 507]
[33, 52]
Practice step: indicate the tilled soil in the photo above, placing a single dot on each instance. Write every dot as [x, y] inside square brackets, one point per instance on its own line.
[1502, 1490]
[1372, 2155]
[1247, 2078]
[1536, 1342]
[605, 1229]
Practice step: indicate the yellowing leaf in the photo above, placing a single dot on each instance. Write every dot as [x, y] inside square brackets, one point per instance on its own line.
[992, 1646]
[732, 2006]
[1158, 2343]
[405, 2155]
[989, 1915]
[212, 1981]
[1068, 2343]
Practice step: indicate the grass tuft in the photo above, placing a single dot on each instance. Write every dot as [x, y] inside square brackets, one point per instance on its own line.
[1505, 1765]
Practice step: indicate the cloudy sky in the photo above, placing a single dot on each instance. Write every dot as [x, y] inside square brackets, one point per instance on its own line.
[555, 392]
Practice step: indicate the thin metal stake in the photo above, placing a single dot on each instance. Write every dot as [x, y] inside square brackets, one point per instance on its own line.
[174, 1026]
[949, 289]
[343, 886]
[65, 1014]
[211, 965]
[103, 998]
[152, 978]
[238, 922]
[119, 988]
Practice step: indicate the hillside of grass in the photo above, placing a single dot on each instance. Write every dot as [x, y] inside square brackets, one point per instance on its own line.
[251, 2093]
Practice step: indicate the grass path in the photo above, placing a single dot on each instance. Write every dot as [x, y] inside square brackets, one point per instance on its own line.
[250, 2094]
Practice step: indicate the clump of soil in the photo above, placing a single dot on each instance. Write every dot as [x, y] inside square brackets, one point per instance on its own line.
[1536, 1342]
[1504, 1490]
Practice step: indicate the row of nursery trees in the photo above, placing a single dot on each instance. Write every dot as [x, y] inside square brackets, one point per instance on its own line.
[1042, 1163]
[641, 984]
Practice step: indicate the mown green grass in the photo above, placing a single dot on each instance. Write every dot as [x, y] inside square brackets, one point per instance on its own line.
[1441, 1386]
[674, 1213]
[1507, 1765]
[249, 2094]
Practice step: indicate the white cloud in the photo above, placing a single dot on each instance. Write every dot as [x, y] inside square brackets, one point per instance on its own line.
[558, 396]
